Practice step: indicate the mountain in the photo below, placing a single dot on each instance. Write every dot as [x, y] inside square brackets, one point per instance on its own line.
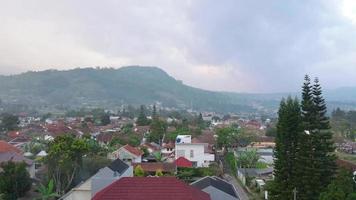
[133, 85]
[105, 87]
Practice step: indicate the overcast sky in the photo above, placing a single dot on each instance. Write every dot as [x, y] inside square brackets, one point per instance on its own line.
[231, 45]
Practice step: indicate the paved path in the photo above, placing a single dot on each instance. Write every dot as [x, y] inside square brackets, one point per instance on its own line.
[227, 171]
[240, 190]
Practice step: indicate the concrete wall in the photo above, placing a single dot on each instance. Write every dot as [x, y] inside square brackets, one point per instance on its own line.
[31, 170]
[81, 192]
[96, 183]
[202, 159]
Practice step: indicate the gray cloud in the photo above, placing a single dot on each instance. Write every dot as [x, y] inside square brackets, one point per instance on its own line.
[232, 45]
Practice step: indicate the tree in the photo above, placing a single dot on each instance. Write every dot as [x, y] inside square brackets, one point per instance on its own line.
[158, 156]
[138, 171]
[64, 160]
[342, 187]
[134, 140]
[200, 121]
[9, 122]
[158, 129]
[304, 157]
[304, 166]
[232, 137]
[47, 192]
[324, 146]
[15, 181]
[154, 113]
[225, 137]
[288, 131]
[159, 172]
[248, 159]
[271, 132]
[142, 119]
[315, 159]
[105, 119]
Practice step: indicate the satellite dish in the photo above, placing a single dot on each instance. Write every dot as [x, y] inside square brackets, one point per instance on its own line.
[307, 132]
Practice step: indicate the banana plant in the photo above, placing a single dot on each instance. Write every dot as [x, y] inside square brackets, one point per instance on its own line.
[47, 192]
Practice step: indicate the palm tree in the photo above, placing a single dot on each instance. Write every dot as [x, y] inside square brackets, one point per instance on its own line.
[47, 192]
[248, 159]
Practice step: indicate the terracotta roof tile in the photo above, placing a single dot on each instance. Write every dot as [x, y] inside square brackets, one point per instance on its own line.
[6, 147]
[150, 188]
[183, 162]
[133, 150]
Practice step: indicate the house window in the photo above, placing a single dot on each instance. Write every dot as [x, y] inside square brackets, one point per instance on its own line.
[191, 153]
[180, 153]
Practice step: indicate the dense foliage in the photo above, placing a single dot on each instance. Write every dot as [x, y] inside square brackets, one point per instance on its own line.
[64, 160]
[341, 188]
[14, 180]
[288, 130]
[9, 122]
[304, 158]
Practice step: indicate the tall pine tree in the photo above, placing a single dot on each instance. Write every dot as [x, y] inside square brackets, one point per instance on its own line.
[304, 157]
[315, 161]
[288, 131]
[142, 119]
[324, 147]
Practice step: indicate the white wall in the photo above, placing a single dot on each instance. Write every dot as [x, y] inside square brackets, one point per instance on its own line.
[31, 170]
[202, 159]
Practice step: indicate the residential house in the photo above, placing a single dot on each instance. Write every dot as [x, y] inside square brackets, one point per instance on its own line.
[104, 177]
[9, 152]
[198, 153]
[128, 154]
[167, 148]
[217, 188]
[150, 188]
[151, 147]
[263, 174]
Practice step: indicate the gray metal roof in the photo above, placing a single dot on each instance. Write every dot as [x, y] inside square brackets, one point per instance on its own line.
[216, 182]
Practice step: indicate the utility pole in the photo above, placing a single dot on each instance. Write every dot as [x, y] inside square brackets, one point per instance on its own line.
[295, 193]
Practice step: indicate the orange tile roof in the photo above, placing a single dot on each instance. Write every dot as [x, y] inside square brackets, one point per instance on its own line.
[133, 150]
[6, 147]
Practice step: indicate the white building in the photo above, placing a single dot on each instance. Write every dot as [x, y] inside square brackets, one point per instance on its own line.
[197, 153]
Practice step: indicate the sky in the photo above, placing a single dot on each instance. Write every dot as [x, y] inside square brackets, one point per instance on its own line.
[228, 45]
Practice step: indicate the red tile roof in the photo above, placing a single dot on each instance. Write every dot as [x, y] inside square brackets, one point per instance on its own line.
[14, 134]
[133, 150]
[154, 166]
[183, 162]
[6, 147]
[150, 188]
[104, 137]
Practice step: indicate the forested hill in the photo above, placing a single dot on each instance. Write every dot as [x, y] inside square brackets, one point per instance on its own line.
[135, 85]
[127, 85]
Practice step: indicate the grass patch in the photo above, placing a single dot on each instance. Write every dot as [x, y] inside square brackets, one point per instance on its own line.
[261, 165]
